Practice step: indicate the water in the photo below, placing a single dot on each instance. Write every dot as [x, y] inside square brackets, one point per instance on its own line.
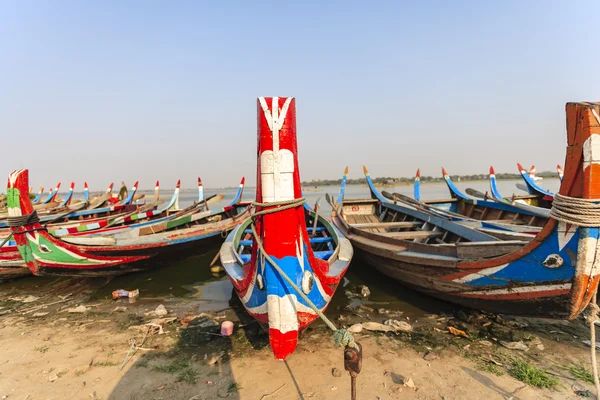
[190, 283]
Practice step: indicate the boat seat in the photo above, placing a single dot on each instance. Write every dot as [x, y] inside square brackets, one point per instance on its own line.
[414, 234]
[309, 229]
[312, 240]
[387, 225]
[323, 255]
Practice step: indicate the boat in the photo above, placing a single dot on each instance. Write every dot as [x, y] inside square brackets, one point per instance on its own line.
[533, 188]
[535, 199]
[39, 196]
[47, 255]
[552, 275]
[560, 172]
[295, 243]
[487, 213]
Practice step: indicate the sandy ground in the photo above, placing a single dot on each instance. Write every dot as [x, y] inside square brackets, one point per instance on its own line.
[78, 355]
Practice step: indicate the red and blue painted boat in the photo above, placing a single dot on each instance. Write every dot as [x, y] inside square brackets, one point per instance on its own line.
[305, 246]
[533, 188]
[47, 255]
[37, 198]
[537, 200]
[552, 275]
[486, 214]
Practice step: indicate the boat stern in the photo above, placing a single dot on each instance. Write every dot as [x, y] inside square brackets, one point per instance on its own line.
[582, 181]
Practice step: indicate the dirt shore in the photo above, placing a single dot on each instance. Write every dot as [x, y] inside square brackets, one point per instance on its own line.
[71, 346]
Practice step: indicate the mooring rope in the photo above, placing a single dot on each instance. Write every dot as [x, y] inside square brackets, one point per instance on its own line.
[17, 222]
[341, 337]
[576, 211]
[591, 320]
[584, 213]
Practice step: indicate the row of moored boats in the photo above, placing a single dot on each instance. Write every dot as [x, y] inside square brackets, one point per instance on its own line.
[527, 255]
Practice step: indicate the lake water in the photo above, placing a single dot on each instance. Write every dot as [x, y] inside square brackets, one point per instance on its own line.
[190, 282]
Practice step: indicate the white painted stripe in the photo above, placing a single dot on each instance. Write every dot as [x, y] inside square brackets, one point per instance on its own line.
[524, 289]
[588, 256]
[564, 235]
[591, 151]
[481, 274]
[282, 312]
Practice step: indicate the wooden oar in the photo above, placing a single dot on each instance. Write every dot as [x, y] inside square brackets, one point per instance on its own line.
[314, 232]
[421, 206]
[537, 211]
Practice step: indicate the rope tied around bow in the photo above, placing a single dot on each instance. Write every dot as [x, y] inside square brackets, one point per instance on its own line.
[19, 221]
[576, 211]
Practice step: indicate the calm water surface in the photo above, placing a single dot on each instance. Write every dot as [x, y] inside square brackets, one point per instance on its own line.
[191, 281]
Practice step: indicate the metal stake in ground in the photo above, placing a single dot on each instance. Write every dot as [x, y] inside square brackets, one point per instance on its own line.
[353, 364]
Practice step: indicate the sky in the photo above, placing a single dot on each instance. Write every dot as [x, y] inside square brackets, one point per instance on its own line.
[146, 90]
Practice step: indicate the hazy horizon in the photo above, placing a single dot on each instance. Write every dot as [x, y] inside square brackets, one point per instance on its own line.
[115, 91]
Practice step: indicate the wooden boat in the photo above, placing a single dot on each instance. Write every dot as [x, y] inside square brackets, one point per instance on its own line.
[39, 196]
[536, 199]
[193, 215]
[552, 275]
[495, 215]
[46, 255]
[307, 248]
[533, 188]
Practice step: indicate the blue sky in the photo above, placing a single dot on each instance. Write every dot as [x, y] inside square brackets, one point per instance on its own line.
[113, 90]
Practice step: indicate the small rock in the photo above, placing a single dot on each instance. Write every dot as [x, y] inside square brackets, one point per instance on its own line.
[356, 328]
[40, 314]
[485, 343]
[580, 390]
[333, 388]
[410, 384]
[540, 347]
[78, 309]
[52, 378]
[430, 356]
[161, 311]
[120, 309]
[336, 372]
[364, 291]
[515, 345]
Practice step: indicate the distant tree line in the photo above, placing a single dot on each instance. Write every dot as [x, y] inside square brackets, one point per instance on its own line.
[405, 180]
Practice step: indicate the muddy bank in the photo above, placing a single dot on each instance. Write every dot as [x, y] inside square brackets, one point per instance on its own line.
[60, 339]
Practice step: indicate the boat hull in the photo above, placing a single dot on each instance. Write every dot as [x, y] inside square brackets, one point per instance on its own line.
[411, 276]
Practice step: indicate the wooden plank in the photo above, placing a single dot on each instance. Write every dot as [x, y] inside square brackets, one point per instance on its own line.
[413, 234]
[441, 201]
[387, 225]
[487, 249]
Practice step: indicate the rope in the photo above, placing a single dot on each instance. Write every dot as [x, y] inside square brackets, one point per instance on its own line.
[341, 337]
[285, 205]
[17, 222]
[591, 319]
[576, 211]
